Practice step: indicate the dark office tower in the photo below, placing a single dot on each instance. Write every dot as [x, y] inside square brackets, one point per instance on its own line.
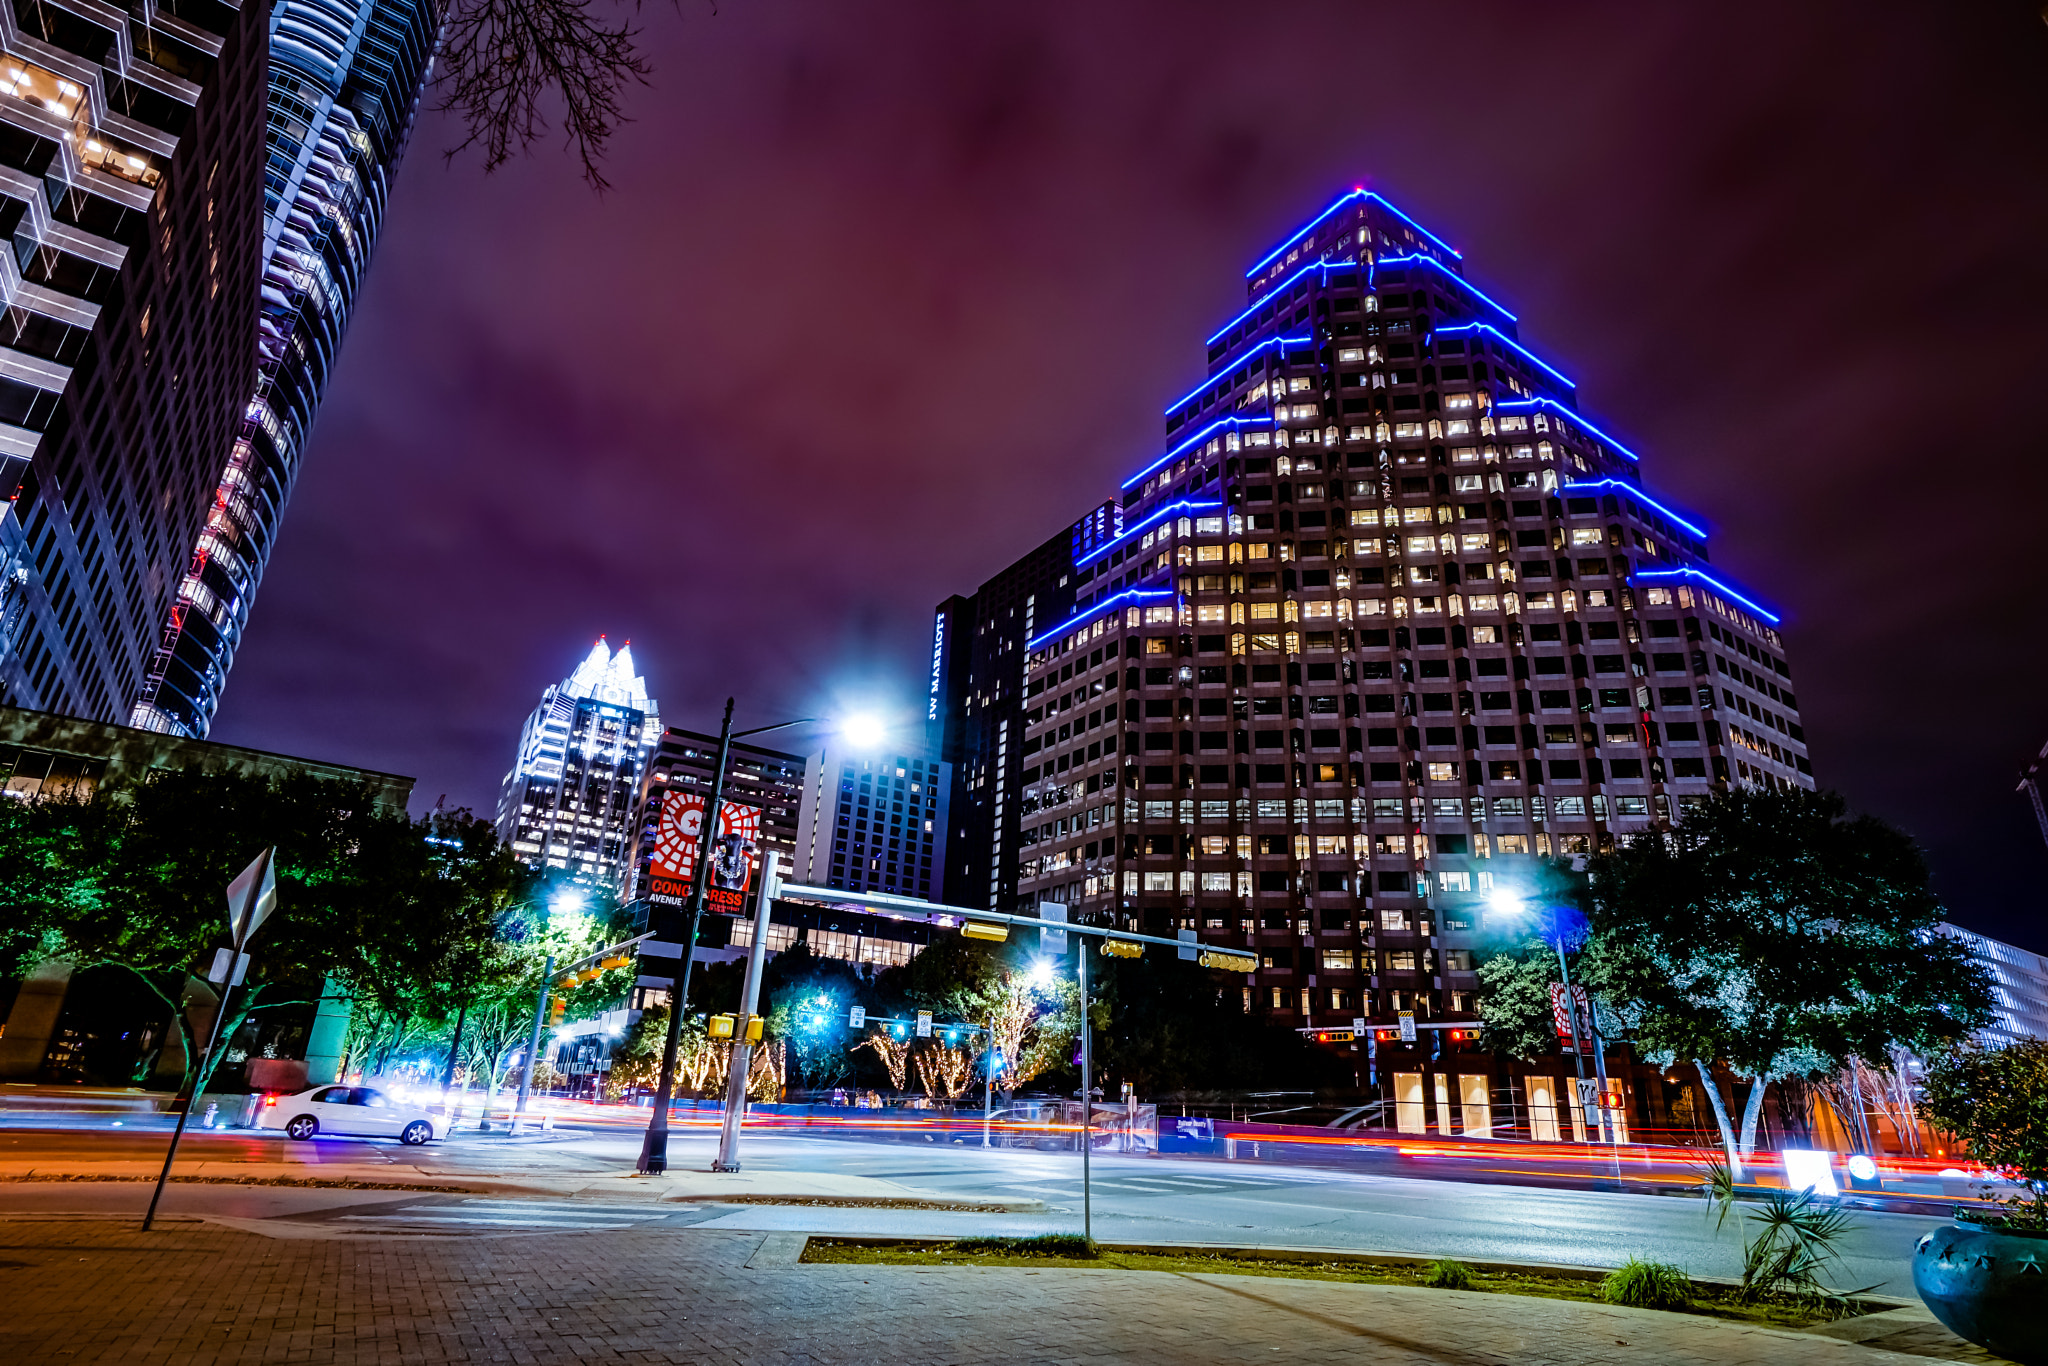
[873, 820]
[977, 688]
[131, 183]
[1386, 621]
[345, 81]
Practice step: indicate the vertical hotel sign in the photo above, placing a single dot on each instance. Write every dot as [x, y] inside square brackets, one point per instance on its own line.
[677, 836]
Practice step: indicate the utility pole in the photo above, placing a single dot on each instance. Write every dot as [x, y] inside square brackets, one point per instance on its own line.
[750, 1002]
[988, 1094]
[1087, 1102]
[654, 1147]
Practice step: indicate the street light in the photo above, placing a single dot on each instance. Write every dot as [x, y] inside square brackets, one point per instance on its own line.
[1503, 901]
[654, 1147]
[864, 730]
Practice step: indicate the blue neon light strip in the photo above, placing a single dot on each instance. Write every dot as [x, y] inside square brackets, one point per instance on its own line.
[1230, 364]
[1382, 201]
[1530, 405]
[1342, 200]
[1196, 440]
[1274, 293]
[1632, 491]
[1167, 511]
[1453, 276]
[1524, 352]
[1134, 594]
[1772, 617]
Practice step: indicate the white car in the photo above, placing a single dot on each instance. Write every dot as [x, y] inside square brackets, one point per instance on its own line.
[359, 1111]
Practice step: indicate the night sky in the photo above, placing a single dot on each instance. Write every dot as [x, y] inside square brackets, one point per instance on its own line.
[886, 294]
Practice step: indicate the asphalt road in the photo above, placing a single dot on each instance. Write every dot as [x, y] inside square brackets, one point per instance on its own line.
[1133, 1199]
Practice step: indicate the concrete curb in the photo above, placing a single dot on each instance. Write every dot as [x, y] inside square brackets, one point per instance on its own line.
[338, 1176]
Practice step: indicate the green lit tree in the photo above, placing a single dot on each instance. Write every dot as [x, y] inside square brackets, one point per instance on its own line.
[1779, 934]
[1996, 1101]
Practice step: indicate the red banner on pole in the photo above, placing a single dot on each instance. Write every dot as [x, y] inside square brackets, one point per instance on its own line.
[677, 835]
[1561, 1015]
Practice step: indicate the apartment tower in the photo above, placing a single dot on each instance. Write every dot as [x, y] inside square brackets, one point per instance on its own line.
[345, 80]
[131, 187]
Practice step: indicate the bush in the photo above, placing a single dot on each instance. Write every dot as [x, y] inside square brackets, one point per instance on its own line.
[1445, 1274]
[1647, 1285]
[1041, 1245]
[1996, 1101]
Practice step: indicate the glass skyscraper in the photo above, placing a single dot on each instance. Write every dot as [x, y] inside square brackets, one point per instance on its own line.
[572, 796]
[345, 82]
[131, 195]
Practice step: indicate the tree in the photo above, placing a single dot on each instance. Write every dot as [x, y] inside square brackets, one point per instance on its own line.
[1171, 1025]
[1996, 1101]
[501, 63]
[1774, 931]
[134, 878]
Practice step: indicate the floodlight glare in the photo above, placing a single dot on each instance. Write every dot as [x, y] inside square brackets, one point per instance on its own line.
[1041, 974]
[863, 730]
[1504, 902]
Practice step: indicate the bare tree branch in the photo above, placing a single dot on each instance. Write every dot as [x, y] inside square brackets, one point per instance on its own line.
[503, 63]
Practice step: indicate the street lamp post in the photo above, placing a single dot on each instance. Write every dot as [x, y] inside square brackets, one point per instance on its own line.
[1597, 1113]
[540, 1013]
[654, 1147]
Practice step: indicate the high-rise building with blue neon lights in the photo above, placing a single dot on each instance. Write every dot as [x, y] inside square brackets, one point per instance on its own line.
[345, 83]
[1384, 618]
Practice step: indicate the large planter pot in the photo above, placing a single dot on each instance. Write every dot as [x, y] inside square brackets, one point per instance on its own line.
[1989, 1286]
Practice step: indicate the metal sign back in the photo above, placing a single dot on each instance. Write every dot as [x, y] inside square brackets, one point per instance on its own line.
[252, 897]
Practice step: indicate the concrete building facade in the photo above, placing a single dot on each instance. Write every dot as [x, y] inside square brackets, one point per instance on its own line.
[1385, 619]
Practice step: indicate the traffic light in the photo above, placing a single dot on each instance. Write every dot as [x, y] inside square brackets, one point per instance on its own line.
[1122, 948]
[1228, 961]
[557, 1008]
[975, 929]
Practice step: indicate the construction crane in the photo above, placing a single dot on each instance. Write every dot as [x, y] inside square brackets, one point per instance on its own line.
[2030, 779]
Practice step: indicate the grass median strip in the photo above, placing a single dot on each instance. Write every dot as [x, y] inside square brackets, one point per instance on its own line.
[1067, 1250]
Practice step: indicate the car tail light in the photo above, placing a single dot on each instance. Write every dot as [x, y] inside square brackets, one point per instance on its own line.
[269, 1099]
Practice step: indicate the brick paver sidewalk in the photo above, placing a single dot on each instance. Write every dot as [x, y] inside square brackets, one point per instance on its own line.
[78, 1292]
